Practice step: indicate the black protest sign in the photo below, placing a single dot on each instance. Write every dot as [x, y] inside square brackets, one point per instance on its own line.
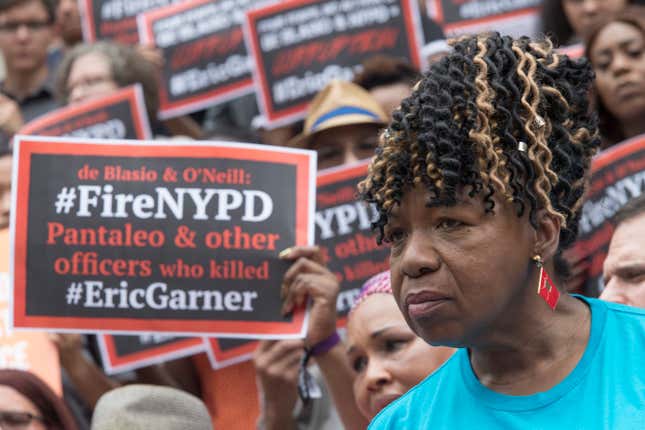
[125, 353]
[206, 58]
[121, 115]
[300, 45]
[343, 231]
[617, 176]
[115, 19]
[227, 352]
[514, 17]
[123, 236]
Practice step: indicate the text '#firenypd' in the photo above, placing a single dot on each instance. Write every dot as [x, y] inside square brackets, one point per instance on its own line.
[206, 203]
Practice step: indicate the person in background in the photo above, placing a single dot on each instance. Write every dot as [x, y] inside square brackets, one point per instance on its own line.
[26, 30]
[142, 406]
[68, 23]
[388, 80]
[97, 69]
[617, 52]
[27, 403]
[571, 21]
[387, 358]
[624, 268]
[342, 125]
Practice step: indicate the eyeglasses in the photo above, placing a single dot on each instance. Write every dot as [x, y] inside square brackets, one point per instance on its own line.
[32, 26]
[17, 419]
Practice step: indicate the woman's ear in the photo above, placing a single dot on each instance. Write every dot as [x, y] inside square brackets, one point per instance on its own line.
[547, 234]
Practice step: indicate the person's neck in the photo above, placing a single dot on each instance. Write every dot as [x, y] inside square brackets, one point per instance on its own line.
[20, 84]
[535, 348]
[633, 127]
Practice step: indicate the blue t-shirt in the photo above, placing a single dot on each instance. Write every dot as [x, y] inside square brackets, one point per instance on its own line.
[606, 390]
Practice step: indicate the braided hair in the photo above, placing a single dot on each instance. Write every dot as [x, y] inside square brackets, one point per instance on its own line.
[461, 126]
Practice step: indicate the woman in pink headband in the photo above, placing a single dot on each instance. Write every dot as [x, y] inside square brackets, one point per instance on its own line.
[387, 357]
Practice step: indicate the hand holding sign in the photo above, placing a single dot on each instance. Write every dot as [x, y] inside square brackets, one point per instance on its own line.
[308, 277]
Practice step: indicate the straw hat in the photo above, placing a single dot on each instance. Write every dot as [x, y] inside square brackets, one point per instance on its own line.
[139, 407]
[339, 103]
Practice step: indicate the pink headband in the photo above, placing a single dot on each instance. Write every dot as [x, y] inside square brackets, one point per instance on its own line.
[378, 284]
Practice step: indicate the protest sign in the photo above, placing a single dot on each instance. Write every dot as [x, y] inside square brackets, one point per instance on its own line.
[29, 351]
[343, 231]
[227, 352]
[300, 45]
[206, 58]
[125, 353]
[181, 238]
[617, 176]
[121, 115]
[115, 19]
[513, 17]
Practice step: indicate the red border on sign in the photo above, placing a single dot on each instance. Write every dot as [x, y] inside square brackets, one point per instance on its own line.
[263, 86]
[167, 108]
[116, 360]
[28, 146]
[132, 94]
[221, 358]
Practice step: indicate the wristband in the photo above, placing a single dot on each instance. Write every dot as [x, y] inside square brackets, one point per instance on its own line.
[325, 345]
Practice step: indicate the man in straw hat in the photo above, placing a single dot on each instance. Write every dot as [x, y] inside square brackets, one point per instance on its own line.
[342, 125]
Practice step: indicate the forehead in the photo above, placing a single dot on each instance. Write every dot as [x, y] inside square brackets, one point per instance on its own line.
[615, 34]
[353, 134]
[10, 396]
[628, 241]
[374, 313]
[26, 9]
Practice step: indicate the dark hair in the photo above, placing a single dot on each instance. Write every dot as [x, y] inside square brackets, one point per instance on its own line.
[461, 127]
[609, 125]
[634, 208]
[383, 70]
[555, 23]
[127, 66]
[49, 5]
[56, 414]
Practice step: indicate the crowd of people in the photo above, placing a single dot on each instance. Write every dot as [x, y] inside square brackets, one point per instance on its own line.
[478, 171]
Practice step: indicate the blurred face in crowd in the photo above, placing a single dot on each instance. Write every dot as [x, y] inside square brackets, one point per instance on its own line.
[68, 21]
[90, 76]
[18, 412]
[390, 96]
[617, 57]
[386, 355]
[25, 34]
[624, 269]
[346, 144]
[585, 15]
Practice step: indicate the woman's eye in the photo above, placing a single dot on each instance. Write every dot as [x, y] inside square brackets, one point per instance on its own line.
[394, 345]
[635, 52]
[394, 236]
[358, 364]
[449, 224]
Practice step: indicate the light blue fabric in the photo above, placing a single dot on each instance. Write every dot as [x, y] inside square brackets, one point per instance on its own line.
[606, 390]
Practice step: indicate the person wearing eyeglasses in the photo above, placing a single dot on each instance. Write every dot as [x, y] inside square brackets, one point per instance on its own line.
[27, 403]
[26, 31]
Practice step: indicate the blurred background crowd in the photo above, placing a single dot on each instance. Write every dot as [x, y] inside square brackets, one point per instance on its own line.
[46, 65]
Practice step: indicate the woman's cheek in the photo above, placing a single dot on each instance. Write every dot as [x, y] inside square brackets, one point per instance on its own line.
[361, 394]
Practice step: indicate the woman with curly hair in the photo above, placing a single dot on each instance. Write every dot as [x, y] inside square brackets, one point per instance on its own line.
[478, 183]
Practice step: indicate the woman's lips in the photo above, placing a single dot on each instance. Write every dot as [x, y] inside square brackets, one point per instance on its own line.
[423, 303]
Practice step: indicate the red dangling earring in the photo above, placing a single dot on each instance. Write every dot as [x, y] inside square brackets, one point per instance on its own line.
[546, 289]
